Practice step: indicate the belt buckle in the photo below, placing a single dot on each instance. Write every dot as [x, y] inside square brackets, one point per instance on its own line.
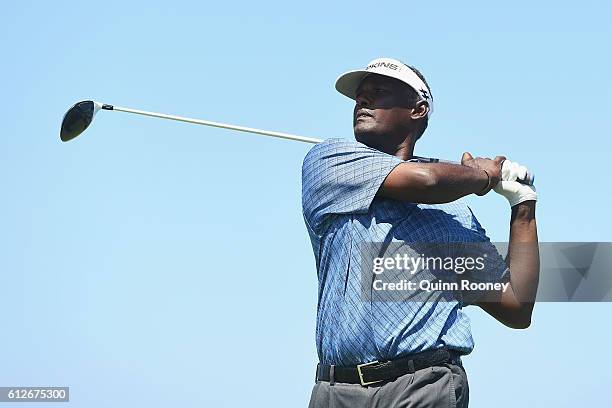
[359, 366]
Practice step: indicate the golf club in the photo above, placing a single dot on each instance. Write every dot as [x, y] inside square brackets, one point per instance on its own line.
[80, 115]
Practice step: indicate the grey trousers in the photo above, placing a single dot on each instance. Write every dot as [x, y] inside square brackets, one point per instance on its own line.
[434, 387]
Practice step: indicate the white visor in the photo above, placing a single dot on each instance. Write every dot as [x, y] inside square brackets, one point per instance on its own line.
[348, 82]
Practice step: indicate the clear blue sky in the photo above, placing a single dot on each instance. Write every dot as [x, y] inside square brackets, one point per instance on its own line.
[144, 262]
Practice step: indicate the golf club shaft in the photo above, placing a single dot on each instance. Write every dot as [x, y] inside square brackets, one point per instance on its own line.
[529, 178]
[241, 128]
[214, 124]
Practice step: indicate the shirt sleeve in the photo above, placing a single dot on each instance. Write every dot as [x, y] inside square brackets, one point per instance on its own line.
[341, 177]
[494, 268]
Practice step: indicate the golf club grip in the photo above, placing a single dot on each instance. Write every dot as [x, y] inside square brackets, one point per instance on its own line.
[528, 180]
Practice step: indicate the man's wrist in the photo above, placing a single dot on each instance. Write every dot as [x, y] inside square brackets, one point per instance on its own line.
[486, 178]
[524, 211]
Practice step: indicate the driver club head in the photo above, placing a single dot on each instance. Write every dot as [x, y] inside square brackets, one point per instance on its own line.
[78, 118]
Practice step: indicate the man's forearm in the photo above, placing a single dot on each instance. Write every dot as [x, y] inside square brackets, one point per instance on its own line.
[433, 183]
[514, 307]
[523, 254]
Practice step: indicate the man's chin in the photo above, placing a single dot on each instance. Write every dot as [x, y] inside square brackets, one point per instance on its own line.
[368, 138]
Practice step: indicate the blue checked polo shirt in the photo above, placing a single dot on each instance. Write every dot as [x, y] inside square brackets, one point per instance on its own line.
[340, 179]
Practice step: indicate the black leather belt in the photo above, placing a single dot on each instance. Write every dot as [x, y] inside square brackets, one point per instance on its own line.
[380, 371]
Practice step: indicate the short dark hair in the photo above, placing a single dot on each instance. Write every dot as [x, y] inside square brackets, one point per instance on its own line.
[416, 97]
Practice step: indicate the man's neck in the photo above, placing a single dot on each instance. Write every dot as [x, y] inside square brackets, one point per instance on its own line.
[403, 151]
[399, 146]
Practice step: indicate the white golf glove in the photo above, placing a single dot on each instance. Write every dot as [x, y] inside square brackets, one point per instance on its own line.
[514, 191]
[512, 171]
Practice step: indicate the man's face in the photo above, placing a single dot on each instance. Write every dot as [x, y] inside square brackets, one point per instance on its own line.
[382, 111]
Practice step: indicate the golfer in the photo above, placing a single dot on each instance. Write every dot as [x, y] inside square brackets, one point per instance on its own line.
[377, 352]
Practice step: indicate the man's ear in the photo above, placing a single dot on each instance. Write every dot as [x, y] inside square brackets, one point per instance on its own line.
[420, 110]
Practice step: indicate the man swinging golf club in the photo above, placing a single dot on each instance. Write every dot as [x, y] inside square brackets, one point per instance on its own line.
[388, 352]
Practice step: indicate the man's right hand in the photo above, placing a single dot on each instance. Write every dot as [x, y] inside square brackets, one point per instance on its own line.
[492, 167]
